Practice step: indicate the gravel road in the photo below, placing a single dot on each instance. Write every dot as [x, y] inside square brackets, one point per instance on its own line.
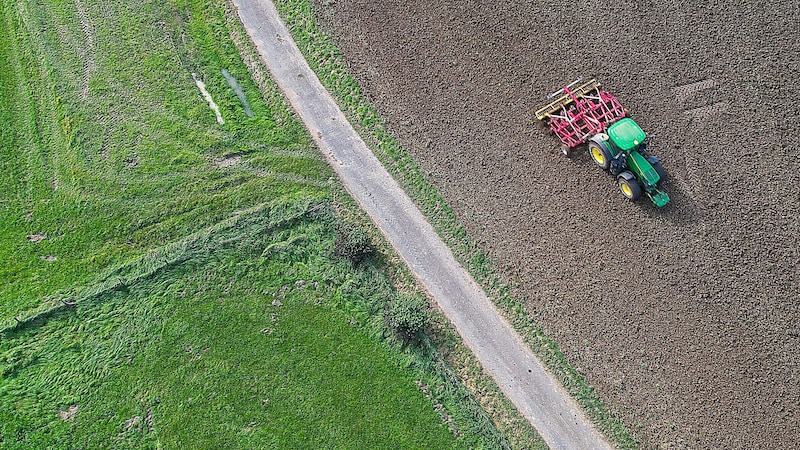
[685, 319]
[522, 378]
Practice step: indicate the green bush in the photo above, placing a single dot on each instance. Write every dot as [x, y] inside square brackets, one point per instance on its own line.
[352, 242]
[407, 316]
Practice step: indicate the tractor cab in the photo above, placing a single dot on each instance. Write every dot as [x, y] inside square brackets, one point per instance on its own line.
[622, 151]
[629, 141]
[626, 134]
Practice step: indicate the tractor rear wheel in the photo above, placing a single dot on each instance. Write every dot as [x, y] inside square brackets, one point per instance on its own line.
[629, 186]
[600, 154]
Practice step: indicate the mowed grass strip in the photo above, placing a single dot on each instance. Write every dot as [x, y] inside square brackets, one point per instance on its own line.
[109, 148]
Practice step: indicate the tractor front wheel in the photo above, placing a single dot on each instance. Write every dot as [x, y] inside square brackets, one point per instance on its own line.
[629, 186]
[600, 154]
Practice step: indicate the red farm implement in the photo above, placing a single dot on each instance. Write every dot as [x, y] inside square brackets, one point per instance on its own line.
[577, 113]
[583, 113]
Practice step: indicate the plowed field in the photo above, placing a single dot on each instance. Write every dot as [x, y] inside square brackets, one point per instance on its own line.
[685, 319]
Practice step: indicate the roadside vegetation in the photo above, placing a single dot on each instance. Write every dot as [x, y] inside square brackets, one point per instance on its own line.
[171, 281]
[330, 67]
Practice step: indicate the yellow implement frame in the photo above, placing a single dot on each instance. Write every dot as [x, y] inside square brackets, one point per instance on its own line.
[563, 98]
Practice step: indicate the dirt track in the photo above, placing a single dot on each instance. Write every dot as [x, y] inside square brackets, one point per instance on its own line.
[687, 319]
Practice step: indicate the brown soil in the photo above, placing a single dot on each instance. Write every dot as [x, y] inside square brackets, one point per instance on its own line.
[686, 320]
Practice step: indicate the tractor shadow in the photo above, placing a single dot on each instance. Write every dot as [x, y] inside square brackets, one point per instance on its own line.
[683, 209]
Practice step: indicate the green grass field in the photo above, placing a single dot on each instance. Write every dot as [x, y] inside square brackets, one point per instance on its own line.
[170, 282]
[225, 348]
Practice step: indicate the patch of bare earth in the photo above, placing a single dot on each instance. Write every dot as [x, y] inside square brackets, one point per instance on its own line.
[132, 161]
[69, 414]
[227, 161]
[684, 319]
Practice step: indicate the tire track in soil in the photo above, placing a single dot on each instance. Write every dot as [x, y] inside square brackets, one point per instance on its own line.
[694, 184]
[682, 93]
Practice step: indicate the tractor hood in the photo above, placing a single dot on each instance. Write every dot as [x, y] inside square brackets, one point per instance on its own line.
[626, 134]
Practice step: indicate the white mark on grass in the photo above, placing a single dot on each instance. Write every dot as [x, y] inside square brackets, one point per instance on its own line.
[207, 96]
[38, 237]
[49, 258]
[239, 92]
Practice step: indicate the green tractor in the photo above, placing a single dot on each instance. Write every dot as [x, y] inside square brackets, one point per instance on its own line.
[586, 114]
[622, 151]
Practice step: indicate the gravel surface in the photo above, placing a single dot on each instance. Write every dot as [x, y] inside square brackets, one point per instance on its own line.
[685, 319]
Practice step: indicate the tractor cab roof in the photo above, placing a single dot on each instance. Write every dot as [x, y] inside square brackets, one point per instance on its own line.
[626, 134]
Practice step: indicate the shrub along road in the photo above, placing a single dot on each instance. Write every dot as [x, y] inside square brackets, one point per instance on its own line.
[520, 375]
